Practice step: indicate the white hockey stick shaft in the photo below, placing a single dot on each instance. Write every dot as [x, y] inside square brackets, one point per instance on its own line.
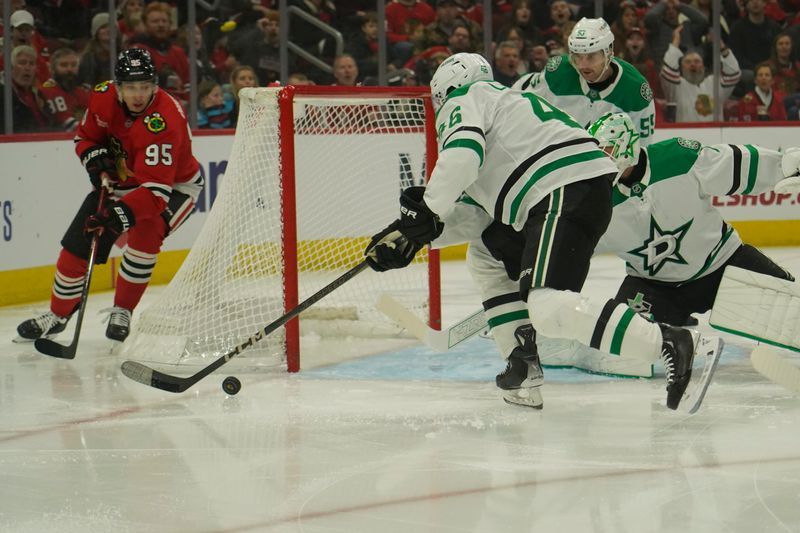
[770, 364]
[438, 340]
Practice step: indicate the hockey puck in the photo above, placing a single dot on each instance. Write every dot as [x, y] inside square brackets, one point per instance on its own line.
[231, 385]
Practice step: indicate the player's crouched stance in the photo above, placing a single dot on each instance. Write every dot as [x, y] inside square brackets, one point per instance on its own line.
[137, 138]
[544, 189]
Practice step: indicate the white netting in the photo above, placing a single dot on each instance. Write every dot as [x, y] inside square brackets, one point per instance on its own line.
[353, 155]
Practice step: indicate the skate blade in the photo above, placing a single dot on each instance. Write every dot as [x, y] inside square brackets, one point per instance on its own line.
[709, 350]
[531, 397]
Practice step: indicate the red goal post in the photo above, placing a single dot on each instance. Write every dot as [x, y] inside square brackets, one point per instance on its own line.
[314, 171]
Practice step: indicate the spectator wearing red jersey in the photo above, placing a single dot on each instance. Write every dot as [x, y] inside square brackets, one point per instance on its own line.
[170, 60]
[65, 99]
[26, 104]
[763, 102]
[401, 17]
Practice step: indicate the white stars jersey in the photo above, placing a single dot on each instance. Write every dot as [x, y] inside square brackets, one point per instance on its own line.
[664, 226]
[563, 86]
[507, 150]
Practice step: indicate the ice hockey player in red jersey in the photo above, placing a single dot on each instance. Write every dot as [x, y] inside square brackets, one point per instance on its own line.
[138, 136]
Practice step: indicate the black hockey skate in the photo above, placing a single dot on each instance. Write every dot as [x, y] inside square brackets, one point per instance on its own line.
[44, 326]
[119, 324]
[522, 379]
[679, 350]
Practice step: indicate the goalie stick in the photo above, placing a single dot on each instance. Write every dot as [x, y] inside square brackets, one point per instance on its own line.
[149, 376]
[438, 340]
[52, 348]
[776, 368]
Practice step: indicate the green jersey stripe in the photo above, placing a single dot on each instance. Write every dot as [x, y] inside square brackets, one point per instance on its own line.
[467, 143]
[711, 256]
[546, 239]
[544, 170]
[752, 171]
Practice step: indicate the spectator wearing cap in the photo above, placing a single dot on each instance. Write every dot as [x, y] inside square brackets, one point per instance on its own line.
[402, 16]
[27, 108]
[635, 52]
[764, 102]
[95, 63]
[506, 63]
[170, 60]
[687, 85]
[23, 33]
[751, 39]
[65, 99]
[662, 19]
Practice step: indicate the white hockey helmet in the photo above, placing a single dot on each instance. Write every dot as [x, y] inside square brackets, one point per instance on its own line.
[456, 71]
[616, 130]
[591, 35]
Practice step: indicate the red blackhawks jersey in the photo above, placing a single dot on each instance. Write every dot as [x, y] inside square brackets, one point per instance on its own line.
[153, 150]
[66, 107]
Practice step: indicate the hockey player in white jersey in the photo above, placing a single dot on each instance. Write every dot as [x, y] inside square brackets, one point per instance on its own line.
[590, 81]
[675, 244]
[546, 190]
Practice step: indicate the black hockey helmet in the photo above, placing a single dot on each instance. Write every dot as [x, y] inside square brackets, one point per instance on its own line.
[134, 64]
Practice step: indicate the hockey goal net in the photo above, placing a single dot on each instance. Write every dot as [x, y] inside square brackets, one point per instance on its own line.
[312, 174]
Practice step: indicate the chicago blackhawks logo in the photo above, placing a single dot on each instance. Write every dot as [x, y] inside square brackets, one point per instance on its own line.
[102, 87]
[155, 123]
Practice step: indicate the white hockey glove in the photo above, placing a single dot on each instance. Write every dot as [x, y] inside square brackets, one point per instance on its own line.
[790, 164]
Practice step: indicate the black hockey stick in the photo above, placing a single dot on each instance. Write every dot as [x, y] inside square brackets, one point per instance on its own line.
[52, 348]
[148, 376]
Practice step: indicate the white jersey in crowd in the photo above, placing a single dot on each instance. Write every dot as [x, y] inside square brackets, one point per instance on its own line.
[507, 150]
[695, 103]
[664, 226]
[564, 87]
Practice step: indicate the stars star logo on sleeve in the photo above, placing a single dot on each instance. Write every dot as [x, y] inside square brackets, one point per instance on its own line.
[661, 247]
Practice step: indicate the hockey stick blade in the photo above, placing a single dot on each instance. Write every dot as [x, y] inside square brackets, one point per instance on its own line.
[438, 340]
[776, 368]
[52, 348]
[153, 378]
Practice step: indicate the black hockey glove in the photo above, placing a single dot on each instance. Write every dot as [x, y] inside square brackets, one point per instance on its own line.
[98, 160]
[417, 221]
[390, 249]
[116, 217]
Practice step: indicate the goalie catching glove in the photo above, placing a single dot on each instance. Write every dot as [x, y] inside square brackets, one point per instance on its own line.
[790, 164]
[116, 217]
[97, 160]
[390, 249]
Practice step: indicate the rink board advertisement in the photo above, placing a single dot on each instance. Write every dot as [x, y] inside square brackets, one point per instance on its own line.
[43, 183]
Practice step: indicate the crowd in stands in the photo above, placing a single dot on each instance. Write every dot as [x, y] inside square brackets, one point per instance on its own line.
[61, 50]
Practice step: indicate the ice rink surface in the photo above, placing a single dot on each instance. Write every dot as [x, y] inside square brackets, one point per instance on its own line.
[404, 440]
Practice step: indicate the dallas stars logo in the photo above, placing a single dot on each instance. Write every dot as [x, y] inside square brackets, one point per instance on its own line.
[661, 247]
[639, 305]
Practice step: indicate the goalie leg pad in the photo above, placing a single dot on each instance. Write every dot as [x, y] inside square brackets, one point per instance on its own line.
[758, 306]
